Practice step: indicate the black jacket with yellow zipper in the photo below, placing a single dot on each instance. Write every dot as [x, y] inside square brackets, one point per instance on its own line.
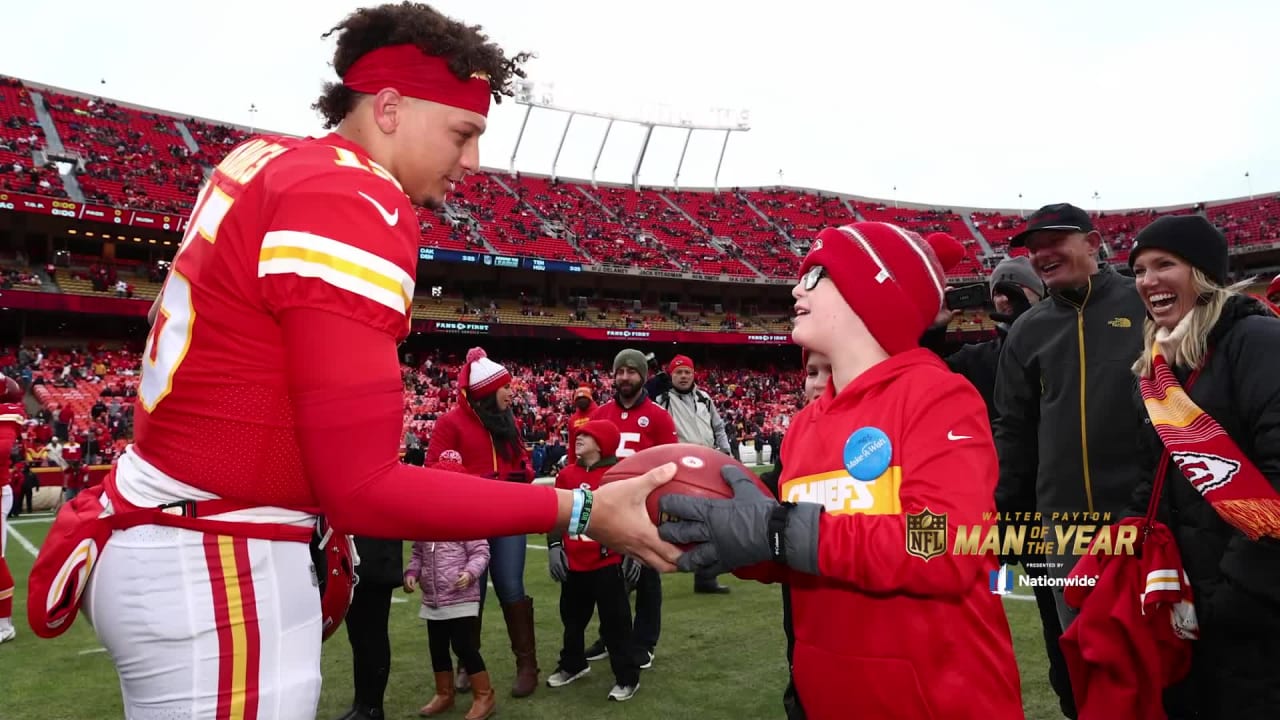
[1067, 431]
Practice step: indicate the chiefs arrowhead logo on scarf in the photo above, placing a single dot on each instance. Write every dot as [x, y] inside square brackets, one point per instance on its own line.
[1207, 456]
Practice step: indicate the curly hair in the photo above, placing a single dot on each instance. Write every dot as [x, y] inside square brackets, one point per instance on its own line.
[465, 47]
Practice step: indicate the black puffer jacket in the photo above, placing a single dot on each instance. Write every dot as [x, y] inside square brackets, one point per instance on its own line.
[1236, 666]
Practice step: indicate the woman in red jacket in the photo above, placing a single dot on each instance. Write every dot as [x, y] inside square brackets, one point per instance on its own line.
[878, 472]
[483, 429]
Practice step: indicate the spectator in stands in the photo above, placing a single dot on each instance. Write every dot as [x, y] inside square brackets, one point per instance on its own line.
[483, 429]
[1209, 362]
[65, 415]
[697, 422]
[584, 403]
[1065, 428]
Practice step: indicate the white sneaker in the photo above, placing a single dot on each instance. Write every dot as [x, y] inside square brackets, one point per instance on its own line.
[7, 633]
[560, 678]
[623, 693]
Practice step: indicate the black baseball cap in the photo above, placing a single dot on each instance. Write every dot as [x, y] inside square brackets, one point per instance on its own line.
[1060, 216]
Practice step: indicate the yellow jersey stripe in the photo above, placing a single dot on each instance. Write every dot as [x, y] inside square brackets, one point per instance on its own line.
[396, 293]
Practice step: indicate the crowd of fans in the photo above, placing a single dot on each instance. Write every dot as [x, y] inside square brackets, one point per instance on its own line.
[86, 397]
[755, 403]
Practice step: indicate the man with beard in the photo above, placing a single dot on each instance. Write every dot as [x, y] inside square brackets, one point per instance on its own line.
[642, 425]
[483, 429]
[583, 405]
[697, 422]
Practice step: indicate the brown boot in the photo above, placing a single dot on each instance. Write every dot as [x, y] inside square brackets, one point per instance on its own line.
[443, 699]
[484, 699]
[519, 616]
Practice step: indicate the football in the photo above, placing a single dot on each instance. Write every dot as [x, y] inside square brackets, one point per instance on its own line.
[697, 472]
[10, 390]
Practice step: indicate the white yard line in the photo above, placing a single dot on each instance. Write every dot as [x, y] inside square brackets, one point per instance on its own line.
[28, 521]
[92, 651]
[25, 543]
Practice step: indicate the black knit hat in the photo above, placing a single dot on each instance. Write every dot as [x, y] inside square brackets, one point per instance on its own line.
[1192, 238]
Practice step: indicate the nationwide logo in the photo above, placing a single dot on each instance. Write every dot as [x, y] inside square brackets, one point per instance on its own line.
[1001, 581]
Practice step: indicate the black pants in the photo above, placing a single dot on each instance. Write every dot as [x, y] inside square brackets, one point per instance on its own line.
[580, 594]
[705, 579]
[460, 634]
[1059, 677]
[370, 643]
[648, 617]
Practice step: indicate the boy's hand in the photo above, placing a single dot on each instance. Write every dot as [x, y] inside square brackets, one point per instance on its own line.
[410, 583]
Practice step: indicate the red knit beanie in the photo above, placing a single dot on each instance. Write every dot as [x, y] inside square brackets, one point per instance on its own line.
[480, 376]
[889, 276]
[606, 435]
[679, 361]
[949, 250]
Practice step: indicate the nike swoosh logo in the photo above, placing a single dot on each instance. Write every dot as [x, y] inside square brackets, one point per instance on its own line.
[952, 436]
[391, 218]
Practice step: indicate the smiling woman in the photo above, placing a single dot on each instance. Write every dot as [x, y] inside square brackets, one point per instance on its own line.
[1208, 384]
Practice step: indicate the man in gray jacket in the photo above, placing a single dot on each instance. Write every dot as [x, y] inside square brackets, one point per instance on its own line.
[1067, 425]
[697, 422]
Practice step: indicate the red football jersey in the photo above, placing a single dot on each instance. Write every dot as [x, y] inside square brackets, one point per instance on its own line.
[283, 223]
[12, 417]
[642, 426]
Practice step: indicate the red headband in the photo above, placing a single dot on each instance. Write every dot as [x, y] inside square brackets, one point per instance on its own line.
[418, 75]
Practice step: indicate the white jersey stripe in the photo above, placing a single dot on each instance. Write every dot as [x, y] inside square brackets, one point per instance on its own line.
[292, 239]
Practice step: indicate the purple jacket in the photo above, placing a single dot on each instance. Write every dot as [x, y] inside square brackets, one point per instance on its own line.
[437, 566]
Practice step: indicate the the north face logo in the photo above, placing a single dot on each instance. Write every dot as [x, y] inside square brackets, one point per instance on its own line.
[1206, 472]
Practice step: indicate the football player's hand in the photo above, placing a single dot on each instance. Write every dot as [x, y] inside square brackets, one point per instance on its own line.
[463, 580]
[410, 583]
[631, 571]
[620, 520]
[558, 563]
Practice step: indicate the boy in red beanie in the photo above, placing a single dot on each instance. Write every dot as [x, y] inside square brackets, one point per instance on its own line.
[593, 576]
[877, 474]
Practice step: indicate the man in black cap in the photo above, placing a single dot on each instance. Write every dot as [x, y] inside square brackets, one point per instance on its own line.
[1067, 424]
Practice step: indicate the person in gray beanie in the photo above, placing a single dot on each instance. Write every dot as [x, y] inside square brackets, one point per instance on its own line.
[1015, 287]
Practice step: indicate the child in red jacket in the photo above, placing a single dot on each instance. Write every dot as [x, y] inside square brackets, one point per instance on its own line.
[593, 576]
[877, 474]
[448, 574]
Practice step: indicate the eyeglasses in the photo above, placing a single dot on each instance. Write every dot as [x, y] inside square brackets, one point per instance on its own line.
[810, 279]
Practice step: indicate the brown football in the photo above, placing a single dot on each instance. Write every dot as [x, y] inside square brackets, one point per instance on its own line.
[697, 472]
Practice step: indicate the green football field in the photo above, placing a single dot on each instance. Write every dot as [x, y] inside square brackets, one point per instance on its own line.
[721, 657]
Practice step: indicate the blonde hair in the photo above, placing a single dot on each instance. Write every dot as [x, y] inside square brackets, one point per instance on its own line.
[1187, 343]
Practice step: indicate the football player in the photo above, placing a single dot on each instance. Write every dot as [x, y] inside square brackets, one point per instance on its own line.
[276, 332]
[12, 415]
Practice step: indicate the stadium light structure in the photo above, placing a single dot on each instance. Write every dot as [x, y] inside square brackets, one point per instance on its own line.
[525, 95]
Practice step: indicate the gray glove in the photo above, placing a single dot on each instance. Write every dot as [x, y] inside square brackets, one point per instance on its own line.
[631, 570]
[558, 562]
[750, 528]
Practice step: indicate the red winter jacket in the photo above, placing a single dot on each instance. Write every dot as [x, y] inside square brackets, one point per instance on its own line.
[460, 430]
[584, 553]
[1124, 648]
[883, 633]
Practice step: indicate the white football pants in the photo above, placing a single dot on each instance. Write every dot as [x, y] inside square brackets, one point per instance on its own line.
[208, 627]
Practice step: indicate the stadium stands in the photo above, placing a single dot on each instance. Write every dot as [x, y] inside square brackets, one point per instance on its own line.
[141, 159]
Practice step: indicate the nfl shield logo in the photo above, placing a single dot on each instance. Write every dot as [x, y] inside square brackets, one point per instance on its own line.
[926, 534]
